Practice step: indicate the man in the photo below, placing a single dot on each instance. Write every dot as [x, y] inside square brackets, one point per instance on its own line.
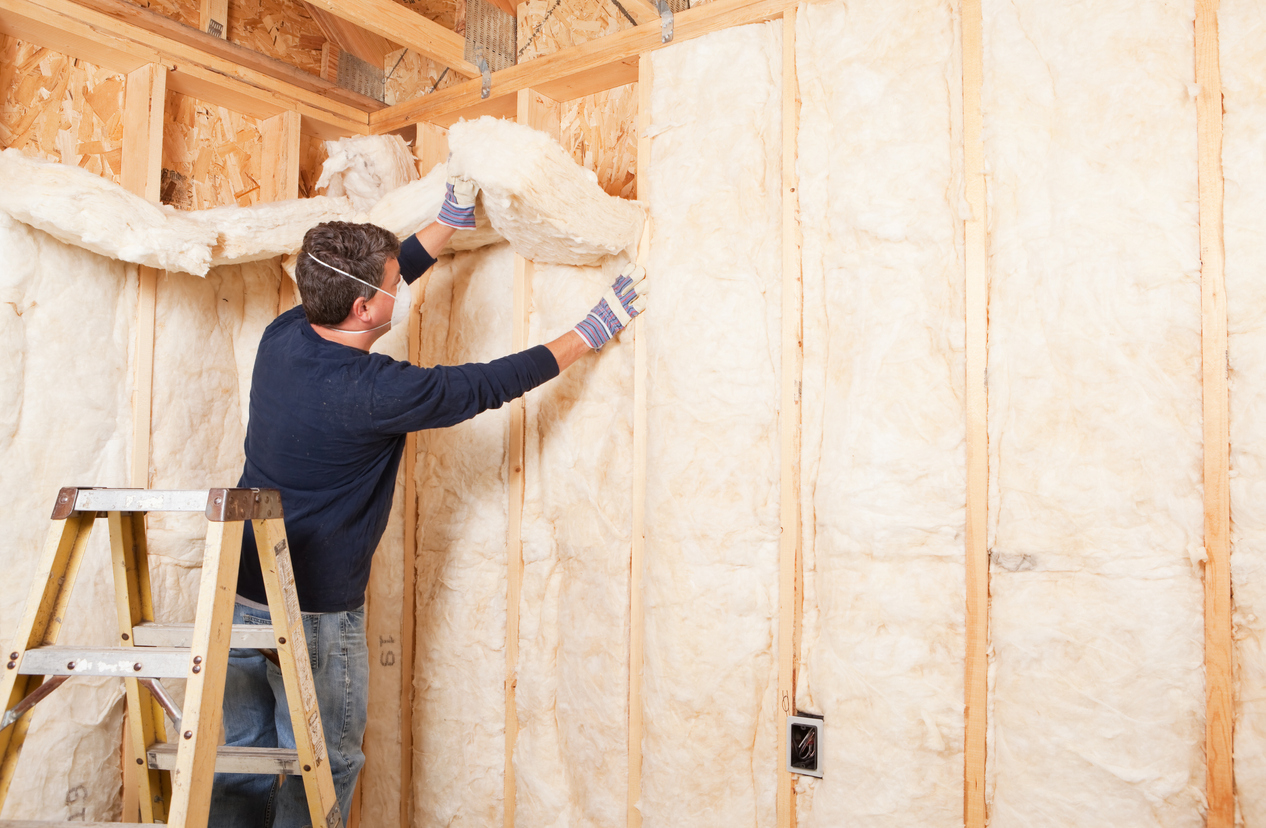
[327, 427]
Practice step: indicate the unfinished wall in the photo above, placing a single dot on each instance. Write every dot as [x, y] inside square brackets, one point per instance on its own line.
[1242, 25]
[1096, 507]
[215, 153]
[883, 477]
[60, 108]
[66, 318]
[571, 758]
[712, 458]
[459, 675]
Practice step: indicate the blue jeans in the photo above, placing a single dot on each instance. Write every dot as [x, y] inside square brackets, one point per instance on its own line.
[255, 714]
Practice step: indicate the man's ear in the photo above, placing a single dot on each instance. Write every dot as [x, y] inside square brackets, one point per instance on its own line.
[358, 307]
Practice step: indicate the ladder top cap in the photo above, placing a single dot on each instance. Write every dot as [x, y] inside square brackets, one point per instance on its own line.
[219, 505]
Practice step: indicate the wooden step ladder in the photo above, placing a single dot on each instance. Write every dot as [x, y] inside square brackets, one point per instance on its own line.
[175, 786]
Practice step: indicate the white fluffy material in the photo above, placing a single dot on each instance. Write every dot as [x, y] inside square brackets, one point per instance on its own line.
[884, 479]
[459, 677]
[80, 208]
[711, 738]
[265, 231]
[408, 209]
[571, 758]
[1242, 29]
[66, 327]
[364, 167]
[1095, 423]
[547, 206]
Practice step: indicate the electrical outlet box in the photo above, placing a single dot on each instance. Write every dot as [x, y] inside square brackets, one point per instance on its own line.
[804, 744]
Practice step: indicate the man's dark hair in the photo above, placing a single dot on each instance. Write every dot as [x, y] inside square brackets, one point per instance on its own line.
[360, 249]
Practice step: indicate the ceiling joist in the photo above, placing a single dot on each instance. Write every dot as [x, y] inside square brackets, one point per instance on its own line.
[595, 66]
[406, 27]
[117, 35]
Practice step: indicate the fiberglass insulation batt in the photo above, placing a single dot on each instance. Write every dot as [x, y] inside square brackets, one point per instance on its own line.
[459, 675]
[1242, 28]
[1096, 507]
[884, 476]
[571, 757]
[711, 738]
[66, 321]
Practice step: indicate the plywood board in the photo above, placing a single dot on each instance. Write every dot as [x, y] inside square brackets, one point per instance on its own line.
[61, 109]
[218, 152]
[600, 132]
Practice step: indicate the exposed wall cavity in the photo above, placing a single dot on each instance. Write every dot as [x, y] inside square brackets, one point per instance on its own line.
[713, 339]
[1242, 27]
[459, 677]
[883, 467]
[1096, 506]
[571, 760]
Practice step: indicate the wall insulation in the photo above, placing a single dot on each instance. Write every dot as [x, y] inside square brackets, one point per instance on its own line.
[571, 759]
[1095, 500]
[1242, 26]
[66, 318]
[459, 675]
[1096, 506]
[884, 481]
[713, 343]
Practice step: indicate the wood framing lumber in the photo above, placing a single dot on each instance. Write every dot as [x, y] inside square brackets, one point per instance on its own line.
[976, 258]
[789, 419]
[408, 28]
[141, 173]
[280, 180]
[637, 551]
[539, 112]
[213, 18]
[591, 67]
[119, 36]
[430, 147]
[1219, 714]
[369, 47]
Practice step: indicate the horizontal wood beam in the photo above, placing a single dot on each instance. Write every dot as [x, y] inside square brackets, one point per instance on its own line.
[406, 27]
[349, 37]
[591, 67]
[121, 37]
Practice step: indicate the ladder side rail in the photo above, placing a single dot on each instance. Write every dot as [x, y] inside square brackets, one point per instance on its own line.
[41, 624]
[199, 735]
[134, 605]
[296, 672]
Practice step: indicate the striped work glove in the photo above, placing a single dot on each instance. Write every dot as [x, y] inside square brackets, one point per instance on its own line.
[458, 210]
[623, 300]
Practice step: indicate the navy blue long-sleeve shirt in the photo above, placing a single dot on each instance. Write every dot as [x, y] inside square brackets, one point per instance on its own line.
[327, 428]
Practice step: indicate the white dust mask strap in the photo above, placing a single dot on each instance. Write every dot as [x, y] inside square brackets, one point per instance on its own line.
[388, 324]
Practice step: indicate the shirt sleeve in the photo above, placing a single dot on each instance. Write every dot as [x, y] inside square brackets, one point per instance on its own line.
[414, 260]
[408, 398]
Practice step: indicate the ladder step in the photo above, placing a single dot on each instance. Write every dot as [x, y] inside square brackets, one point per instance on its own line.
[150, 662]
[27, 823]
[251, 636]
[265, 761]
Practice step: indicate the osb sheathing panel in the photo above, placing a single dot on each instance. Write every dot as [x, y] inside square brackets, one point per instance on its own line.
[600, 132]
[281, 29]
[546, 26]
[216, 151]
[409, 76]
[59, 108]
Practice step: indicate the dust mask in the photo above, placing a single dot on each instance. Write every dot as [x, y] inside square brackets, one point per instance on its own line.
[399, 313]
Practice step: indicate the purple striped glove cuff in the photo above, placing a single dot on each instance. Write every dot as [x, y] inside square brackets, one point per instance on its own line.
[458, 210]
